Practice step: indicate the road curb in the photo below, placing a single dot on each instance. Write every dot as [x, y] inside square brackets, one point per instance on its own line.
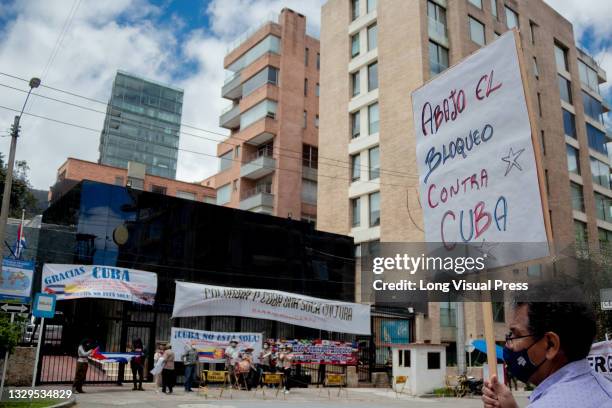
[68, 403]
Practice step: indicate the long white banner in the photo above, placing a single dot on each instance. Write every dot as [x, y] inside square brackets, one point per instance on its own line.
[96, 281]
[193, 299]
[211, 345]
[600, 358]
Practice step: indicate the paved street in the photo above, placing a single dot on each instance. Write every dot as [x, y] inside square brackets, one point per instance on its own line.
[99, 397]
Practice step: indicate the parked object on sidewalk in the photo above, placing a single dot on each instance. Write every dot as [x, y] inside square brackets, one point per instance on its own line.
[467, 385]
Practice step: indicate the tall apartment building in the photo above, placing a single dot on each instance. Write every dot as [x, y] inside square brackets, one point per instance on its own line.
[142, 124]
[374, 55]
[269, 162]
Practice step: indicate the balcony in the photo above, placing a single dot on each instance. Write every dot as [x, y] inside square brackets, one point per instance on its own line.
[232, 88]
[260, 164]
[437, 32]
[259, 199]
[230, 117]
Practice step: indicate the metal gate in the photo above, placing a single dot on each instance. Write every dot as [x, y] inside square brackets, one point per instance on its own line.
[111, 325]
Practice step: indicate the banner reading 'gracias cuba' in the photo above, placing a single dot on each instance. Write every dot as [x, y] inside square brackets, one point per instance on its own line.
[96, 281]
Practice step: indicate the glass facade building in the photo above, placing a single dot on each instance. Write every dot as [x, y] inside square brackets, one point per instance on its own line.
[142, 124]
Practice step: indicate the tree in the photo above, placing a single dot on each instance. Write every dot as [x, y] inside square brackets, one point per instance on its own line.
[21, 194]
[9, 333]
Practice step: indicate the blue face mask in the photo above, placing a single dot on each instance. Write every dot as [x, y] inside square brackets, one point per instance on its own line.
[519, 363]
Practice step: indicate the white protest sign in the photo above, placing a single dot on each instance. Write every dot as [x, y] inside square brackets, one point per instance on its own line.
[476, 161]
[193, 299]
[600, 358]
[211, 345]
[96, 281]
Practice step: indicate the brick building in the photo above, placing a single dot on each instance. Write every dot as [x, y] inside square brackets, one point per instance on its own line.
[75, 170]
[269, 162]
[374, 55]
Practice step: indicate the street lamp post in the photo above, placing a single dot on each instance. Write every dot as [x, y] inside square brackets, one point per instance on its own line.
[8, 181]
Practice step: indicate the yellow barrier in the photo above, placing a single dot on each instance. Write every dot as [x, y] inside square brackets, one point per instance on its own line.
[272, 379]
[400, 379]
[335, 380]
[214, 377]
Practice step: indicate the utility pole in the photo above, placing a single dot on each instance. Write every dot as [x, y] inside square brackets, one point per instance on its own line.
[8, 181]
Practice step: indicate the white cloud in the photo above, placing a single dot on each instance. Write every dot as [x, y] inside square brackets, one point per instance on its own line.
[586, 14]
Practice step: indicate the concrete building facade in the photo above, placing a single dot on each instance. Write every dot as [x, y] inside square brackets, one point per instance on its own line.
[73, 171]
[142, 124]
[375, 53]
[269, 162]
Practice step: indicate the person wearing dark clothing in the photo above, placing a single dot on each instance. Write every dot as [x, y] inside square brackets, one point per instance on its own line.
[137, 364]
[84, 351]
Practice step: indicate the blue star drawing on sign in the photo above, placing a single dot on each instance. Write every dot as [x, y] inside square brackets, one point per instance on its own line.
[511, 159]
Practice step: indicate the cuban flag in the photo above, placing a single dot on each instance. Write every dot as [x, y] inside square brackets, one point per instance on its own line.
[20, 244]
[113, 357]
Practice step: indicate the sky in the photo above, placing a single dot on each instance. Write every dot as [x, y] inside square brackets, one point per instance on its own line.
[180, 42]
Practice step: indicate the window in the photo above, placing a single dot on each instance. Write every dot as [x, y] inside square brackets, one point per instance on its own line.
[494, 8]
[372, 76]
[354, 9]
[355, 212]
[536, 71]
[437, 19]
[477, 3]
[448, 314]
[580, 232]
[355, 124]
[355, 167]
[565, 89]
[190, 196]
[573, 159]
[371, 5]
[603, 207]
[542, 143]
[355, 83]
[600, 173]
[605, 239]
[235, 185]
[372, 37]
[318, 61]
[263, 109]
[577, 197]
[532, 29]
[309, 191]
[317, 89]
[226, 161]
[512, 19]
[374, 201]
[404, 358]
[316, 123]
[592, 107]
[158, 189]
[438, 58]
[266, 150]
[306, 54]
[355, 45]
[374, 163]
[310, 156]
[373, 118]
[477, 32]
[597, 139]
[499, 312]
[433, 361]
[267, 75]
[305, 86]
[269, 44]
[118, 180]
[237, 152]
[540, 104]
[305, 120]
[588, 77]
[561, 58]
[223, 194]
[534, 270]
[569, 124]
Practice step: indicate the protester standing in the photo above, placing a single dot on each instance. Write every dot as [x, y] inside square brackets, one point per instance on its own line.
[286, 361]
[156, 357]
[232, 357]
[137, 364]
[190, 360]
[84, 351]
[168, 373]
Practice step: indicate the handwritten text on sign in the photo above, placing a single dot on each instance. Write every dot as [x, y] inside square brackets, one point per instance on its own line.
[478, 176]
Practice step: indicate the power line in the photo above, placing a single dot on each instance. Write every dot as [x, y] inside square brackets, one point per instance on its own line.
[346, 165]
[377, 181]
[58, 42]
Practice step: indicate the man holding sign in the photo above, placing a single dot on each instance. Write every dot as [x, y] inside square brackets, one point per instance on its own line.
[547, 345]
